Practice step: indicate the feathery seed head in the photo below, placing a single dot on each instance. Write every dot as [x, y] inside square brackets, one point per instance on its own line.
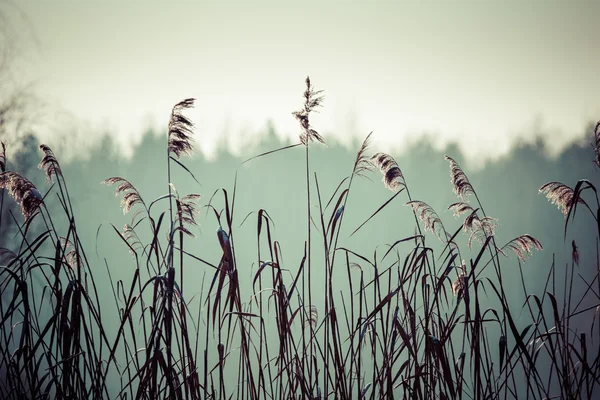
[523, 246]
[3, 157]
[596, 144]
[430, 219]
[23, 191]
[575, 252]
[49, 163]
[559, 194]
[362, 163]
[461, 185]
[180, 129]
[460, 208]
[131, 196]
[393, 179]
[312, 100]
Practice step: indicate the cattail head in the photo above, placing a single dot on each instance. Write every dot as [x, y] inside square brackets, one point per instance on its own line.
[49, 163]
[559, 194]
[392, 175]
[180, 129]
[23, 191]
[460, 182]
[131, 196]
[312, 100]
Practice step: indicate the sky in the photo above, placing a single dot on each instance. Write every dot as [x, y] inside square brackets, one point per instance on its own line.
[483, 73]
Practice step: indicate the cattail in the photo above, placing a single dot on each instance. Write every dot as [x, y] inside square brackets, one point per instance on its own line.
[460, 182]
[559, 194]
[392, 175]
[23, 191]
[131, 196]
[180, 129]
[49, 163]
[523, 246]
[312, 100]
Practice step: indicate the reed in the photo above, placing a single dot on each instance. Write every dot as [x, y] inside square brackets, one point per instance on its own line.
[428, 324]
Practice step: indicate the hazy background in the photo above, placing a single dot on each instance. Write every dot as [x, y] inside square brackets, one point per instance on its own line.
[479, 73]
[507, 187]
[508, 89]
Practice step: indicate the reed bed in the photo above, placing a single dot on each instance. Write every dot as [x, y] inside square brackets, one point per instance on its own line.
[427, 316]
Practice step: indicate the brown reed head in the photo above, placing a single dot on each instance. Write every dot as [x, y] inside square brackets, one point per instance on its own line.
[23, 191]
[559, 194]
[3, 157]
[461, 185]
[312, 100]
[131, 196]
[49, 163]
[392, 175]
[181, 129]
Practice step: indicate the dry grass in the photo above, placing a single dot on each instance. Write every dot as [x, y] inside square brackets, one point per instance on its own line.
[428, 324]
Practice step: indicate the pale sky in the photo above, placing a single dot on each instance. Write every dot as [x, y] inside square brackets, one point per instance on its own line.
[479, 72]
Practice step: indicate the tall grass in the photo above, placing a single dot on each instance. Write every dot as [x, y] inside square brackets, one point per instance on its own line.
[434, 321]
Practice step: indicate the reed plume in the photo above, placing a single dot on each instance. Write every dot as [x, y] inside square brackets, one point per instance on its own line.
[479, 228]
[461, 284]
[392, 175]
[71, 257]
[362, 164]
[312, 100]
[559, 194]
[523, 246]
[131, 238]
[460, 208]
[180, 129]
[187, 210]
[23, 191]
[49, 163]
[460, 182]
[574, 252]
[3, 157]
[131, 196]
[313, 317]
[430, 219]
